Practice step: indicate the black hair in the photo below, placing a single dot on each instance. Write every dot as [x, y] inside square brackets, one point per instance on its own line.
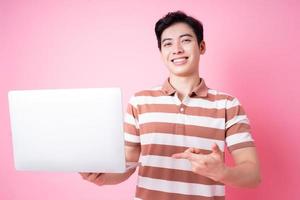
[175, 17]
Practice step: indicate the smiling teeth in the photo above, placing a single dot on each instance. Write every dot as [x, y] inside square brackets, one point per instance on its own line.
[179, 60]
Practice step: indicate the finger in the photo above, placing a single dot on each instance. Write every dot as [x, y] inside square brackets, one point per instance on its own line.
[84, 175]
[92, 177]
[100, 179]
[184, 155]
[216, 149]
[197, 151]
[191, 149]
[181, 155]
[98, 175]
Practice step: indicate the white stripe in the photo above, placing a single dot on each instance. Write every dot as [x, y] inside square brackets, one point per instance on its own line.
[141, 100]
[216, 92]
[135, 198]
[132, 138]
[133, 102]
[129, 119]
[238, 138]
[179, 118]
[165, 162]
[180, 140]
[211, 91]
[233, 103]
[237, 119]
[202, 103]
[181, 187]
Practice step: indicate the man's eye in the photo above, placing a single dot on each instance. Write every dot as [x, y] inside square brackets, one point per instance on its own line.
[167, 44]
[186, 40]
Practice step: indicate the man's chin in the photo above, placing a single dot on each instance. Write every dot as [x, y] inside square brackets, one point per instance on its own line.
[184, 70]
[183, 73]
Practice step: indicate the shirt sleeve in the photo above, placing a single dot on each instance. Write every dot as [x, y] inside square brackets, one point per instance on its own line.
[238, 133]
[131, 124]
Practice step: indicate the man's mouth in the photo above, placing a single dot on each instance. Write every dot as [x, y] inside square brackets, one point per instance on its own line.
[179, 61]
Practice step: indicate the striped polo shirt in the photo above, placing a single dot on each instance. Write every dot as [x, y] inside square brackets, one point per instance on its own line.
[162, 125]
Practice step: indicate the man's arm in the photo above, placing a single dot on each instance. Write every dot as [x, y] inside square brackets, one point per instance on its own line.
[245, 172]
[132, 155]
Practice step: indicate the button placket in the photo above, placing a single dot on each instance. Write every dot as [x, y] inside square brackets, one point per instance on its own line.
[181, 109]
[183, 104]
[180, 120]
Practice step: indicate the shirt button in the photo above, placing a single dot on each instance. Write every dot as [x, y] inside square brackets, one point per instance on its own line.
[181, 109]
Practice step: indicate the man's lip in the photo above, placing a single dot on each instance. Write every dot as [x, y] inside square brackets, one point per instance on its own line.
[186, 57]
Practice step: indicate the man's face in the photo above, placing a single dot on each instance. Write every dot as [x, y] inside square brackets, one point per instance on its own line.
[180, 50]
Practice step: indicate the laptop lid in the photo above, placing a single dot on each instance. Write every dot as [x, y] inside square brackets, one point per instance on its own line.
[68, 130]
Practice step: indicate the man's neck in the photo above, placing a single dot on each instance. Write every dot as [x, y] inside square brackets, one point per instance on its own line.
[184, 84]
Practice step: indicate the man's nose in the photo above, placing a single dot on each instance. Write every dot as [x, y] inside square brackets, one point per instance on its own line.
[177, 48]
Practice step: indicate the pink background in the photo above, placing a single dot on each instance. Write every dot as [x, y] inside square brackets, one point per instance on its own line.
[252, 53]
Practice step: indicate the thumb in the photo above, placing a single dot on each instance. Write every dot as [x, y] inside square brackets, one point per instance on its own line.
[216, 149]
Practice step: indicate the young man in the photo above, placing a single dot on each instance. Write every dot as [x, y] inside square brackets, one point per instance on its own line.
[178, 131]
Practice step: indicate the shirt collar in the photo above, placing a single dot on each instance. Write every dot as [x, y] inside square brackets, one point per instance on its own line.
[200, 90]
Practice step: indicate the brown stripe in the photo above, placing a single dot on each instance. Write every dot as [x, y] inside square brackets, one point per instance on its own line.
[130, 129]
[131, 110]
[175, 175]
[241, 145]
[158, 108]
[165, 150]
[234, 111]
[172, 108]
[146, 194]
[180, 129]
[238, 128]
[131, 144]
[153, 93]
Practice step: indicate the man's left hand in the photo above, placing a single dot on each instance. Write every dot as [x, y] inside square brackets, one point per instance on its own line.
[209, 165]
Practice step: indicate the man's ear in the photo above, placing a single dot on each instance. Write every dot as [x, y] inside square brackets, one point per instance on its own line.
[202, 47]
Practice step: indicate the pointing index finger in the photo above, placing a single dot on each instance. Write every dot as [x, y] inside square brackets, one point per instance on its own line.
[184, 155]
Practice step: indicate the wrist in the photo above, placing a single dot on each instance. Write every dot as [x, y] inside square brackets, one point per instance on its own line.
[224, 174]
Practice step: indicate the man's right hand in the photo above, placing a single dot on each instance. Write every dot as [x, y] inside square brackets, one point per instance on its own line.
[132, 155]
[96, 178]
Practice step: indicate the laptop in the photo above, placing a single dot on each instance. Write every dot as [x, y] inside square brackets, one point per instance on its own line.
[68, 130]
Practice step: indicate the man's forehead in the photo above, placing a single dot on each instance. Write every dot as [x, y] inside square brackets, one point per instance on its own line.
[177, 30]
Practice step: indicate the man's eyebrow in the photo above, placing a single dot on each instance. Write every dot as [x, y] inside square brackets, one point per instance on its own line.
[183, 35]
[187, 34]
[166, 39]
